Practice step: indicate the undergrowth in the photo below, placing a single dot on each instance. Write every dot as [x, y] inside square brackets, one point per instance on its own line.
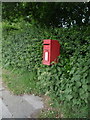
[67, 82]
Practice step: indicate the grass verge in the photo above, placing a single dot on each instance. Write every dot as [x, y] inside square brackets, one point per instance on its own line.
[19, 82]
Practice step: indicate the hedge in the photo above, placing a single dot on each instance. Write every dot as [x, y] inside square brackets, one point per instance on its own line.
[66, 82]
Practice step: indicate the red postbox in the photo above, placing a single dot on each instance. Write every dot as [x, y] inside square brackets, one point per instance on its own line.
[51, 51]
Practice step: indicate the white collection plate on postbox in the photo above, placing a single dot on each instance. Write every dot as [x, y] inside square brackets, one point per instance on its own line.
[46, 56]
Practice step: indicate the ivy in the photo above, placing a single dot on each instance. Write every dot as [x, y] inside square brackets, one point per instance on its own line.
[66, 82]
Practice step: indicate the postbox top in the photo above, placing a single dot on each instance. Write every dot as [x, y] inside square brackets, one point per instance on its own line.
[48, 41]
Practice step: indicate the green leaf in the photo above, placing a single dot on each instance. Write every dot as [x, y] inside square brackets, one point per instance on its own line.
[69, 97]
[72, 70]
[85, 87]
[78, 84]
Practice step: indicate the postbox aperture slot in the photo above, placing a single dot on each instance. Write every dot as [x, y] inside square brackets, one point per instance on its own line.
[46, 44]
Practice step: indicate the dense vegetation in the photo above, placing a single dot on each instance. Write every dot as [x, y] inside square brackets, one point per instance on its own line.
[66, 82]
[48, 13]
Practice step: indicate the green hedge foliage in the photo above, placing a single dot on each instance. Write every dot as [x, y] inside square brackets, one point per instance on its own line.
[66, 82]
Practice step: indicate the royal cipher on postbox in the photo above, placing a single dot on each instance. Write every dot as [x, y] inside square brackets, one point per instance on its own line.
[51, 51]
